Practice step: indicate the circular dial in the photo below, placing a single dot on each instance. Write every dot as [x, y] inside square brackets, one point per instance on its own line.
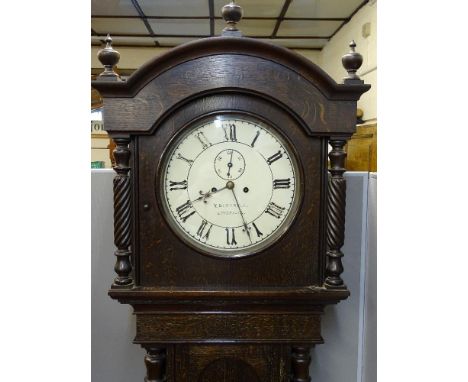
[230, 185]
[231, 159]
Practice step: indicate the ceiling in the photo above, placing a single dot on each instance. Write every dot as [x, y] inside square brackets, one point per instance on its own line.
[301, 24]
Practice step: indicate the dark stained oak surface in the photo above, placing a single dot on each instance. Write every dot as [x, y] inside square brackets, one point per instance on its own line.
[232, 363]
[229, 73]
[230, 327]
[292, 261]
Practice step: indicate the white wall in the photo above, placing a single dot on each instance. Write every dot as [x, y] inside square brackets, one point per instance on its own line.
[330, 57]
[312, 55]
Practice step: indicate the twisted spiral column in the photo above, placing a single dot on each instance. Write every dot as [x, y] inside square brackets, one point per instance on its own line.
[335, 214]
[122, 213]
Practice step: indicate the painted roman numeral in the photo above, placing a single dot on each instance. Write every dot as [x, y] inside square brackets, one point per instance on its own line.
[274, 210]
[177, 185]
[259, 233]
[207, 234]
[185, 210]
[274, 157]
[226, 137]
[202, 227]
[281, 183]
[232, 132]
[231, 241]
[255, 138]
[203, 140]
[189, 161]
[232, 136]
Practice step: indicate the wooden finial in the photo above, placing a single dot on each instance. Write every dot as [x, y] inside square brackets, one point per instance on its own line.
[109, 57]
[232, 14]
[352, 61]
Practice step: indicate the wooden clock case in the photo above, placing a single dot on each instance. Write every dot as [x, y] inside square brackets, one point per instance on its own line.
[198, 316]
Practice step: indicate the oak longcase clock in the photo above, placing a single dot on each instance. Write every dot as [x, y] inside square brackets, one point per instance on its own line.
[228, 219]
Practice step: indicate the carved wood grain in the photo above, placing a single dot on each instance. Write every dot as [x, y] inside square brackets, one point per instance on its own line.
[212, 327]
[263, 363]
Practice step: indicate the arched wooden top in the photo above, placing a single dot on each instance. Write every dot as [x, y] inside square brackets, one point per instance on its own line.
[230, 45]
[237, 65]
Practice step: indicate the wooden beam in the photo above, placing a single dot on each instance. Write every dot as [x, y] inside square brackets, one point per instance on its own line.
[148, 35]
[212, 17]
[293, 37]
[349, 18]
[144, 19]
[286, 5]
[126, 45]
[217, 18]
[204, 36]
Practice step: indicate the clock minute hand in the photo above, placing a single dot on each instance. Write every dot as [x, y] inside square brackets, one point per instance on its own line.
[242, 215]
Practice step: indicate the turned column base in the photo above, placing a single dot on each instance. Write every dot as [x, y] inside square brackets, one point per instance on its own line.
[155, 361]
[300, 363]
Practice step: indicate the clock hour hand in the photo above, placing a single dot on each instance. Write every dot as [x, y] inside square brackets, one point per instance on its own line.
[230, 185]
[208, 194]
[230, 165]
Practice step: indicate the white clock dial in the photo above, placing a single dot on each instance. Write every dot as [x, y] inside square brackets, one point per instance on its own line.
[230, 185]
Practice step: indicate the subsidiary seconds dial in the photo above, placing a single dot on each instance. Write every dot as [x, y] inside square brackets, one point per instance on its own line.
[230, 185]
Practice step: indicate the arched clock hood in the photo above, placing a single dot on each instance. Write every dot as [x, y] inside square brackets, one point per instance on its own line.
[226, 64]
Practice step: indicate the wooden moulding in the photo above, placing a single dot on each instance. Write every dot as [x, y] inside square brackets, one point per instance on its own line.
[309, 295]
